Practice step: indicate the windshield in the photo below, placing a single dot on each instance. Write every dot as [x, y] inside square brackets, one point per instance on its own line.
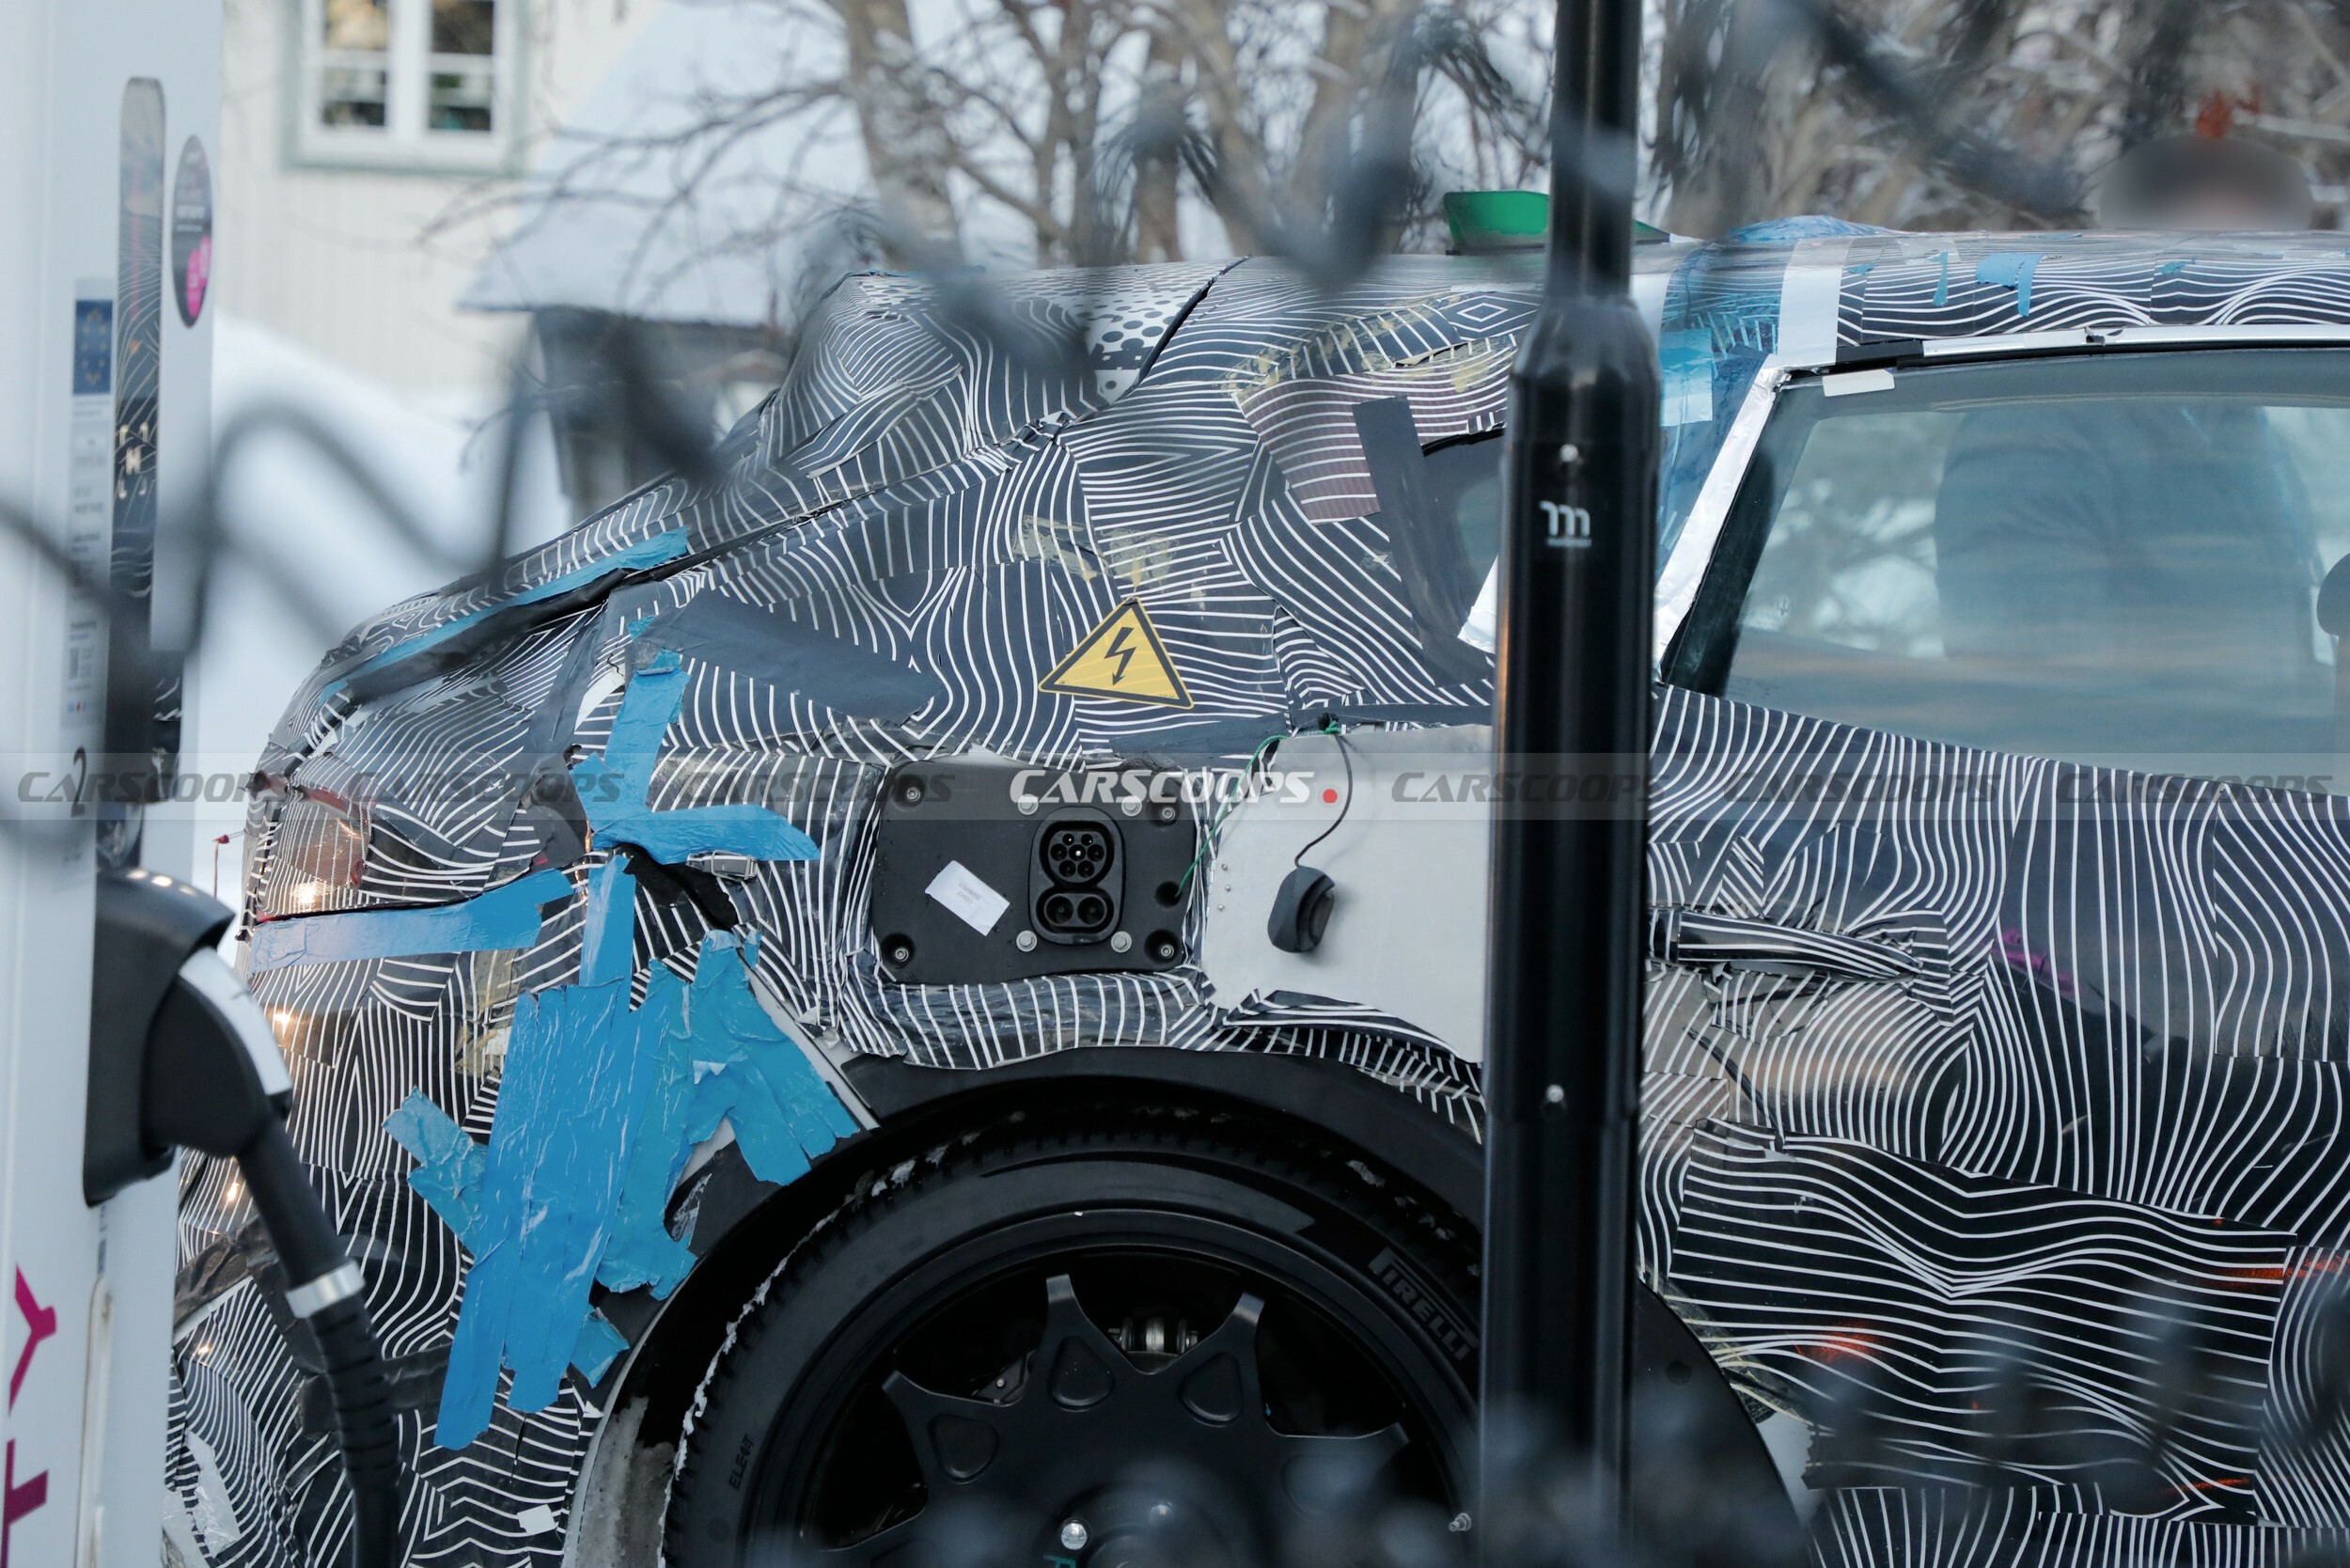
[2109, 558]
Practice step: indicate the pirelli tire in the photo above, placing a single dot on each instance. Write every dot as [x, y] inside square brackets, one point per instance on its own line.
[1112, 1336]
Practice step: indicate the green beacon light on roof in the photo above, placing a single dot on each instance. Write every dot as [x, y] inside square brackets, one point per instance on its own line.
[1486, 223]
[1483, 222]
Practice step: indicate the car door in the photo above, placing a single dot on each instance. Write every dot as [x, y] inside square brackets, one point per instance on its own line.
[1997, 1060]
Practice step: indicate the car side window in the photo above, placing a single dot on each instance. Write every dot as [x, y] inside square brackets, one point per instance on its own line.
[1466, 476]
[2111, 560]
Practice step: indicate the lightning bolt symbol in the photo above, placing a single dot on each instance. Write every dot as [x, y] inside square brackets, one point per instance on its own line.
[1123, 654]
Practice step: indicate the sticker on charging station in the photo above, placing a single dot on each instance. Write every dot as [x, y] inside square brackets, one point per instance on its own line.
[89, 501]
[971, 900]
[192, 231]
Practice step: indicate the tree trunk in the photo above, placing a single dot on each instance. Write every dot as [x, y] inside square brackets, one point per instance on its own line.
[1325, 141]
[1241, 191]
[1728, 183]
[1159, 128]
[906, 145]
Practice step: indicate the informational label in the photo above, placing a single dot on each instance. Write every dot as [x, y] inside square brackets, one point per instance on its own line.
[89, 500]
[142, 701]
[968, 898]
[192, 231]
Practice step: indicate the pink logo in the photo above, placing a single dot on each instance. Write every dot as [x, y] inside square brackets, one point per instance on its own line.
[17, 1501]
[200, 276]
[40, 1322]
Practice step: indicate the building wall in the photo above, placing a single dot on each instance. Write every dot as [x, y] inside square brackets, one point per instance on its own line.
[365, 266]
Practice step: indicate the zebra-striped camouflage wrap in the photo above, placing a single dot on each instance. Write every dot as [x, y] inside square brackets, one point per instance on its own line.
[1944, 1086]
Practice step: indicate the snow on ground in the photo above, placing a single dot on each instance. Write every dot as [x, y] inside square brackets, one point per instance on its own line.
[439, 456]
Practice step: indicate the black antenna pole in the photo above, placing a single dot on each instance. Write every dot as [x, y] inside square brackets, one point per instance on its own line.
[1567, 934]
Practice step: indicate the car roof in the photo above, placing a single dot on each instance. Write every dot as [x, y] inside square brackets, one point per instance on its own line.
[1886, 284]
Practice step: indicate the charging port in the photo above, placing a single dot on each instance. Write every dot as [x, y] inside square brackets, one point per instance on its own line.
[1076, 854]
[1092, 874]
[1077, 881]
[1066, 914]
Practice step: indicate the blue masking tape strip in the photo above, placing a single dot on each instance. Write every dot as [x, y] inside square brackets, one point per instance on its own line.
[659, 550]
[613, 787]
[1728, 297]
[655, 693]
[608, 934]
[599, 1345]
[598, 1109]
[1793, 230]
[505, 917]
[669, 837]
[1942, 282]
[2012, 269]
[1686, 360]
[721, 1060]
[449, 1173]
[577, 1072]
[450, 1164]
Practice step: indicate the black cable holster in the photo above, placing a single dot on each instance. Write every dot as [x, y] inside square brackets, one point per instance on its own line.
[180, 1057]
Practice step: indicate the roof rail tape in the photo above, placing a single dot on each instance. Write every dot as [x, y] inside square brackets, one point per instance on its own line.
[1811, 297]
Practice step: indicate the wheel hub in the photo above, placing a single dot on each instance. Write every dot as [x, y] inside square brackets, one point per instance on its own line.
[1096, 1457]
[1142, 1528]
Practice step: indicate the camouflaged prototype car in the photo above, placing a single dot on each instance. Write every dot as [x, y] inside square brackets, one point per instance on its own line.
[796, 991]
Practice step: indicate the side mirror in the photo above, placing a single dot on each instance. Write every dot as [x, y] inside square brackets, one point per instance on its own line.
[2333, 600]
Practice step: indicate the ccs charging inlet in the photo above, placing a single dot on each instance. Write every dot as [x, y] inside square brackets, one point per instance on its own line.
[181, 1057]
[1078, 879]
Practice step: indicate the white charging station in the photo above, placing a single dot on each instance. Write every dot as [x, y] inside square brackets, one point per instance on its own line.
[109, 113]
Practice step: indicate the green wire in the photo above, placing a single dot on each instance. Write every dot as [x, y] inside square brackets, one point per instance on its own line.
[1207, 840]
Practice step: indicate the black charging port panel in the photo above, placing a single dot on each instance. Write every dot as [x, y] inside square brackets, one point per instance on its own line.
[999, 871]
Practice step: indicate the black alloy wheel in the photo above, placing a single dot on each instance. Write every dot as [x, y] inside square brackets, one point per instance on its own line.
[1104, 1339]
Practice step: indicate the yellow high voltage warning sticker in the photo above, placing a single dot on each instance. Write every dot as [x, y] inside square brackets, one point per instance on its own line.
[1121, 658]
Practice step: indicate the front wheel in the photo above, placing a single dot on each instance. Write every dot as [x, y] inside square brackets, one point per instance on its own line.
[1113, 1338]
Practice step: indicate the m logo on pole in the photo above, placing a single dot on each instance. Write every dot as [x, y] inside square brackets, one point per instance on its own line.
[1566, 528]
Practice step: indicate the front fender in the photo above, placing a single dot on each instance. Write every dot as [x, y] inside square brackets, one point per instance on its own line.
[1676, 1385]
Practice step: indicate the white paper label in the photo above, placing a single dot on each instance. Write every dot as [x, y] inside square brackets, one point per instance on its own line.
[972, 901]
[1854, 382]
[1482, 629]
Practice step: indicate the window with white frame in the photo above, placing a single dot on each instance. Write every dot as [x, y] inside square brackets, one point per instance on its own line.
[414, 84]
